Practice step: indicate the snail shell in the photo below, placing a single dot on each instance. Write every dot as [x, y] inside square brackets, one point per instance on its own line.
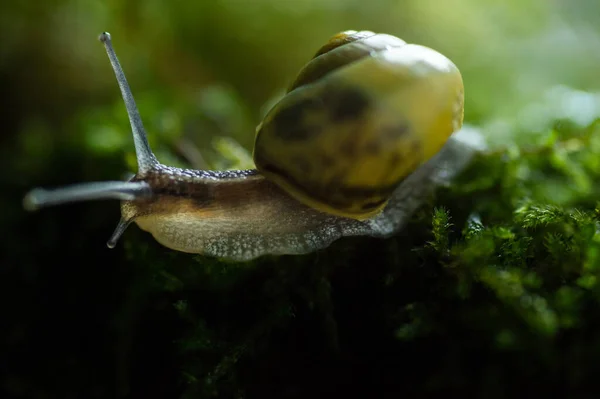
[362, 115]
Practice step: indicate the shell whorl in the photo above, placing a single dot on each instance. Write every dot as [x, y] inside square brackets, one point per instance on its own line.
[343, 49]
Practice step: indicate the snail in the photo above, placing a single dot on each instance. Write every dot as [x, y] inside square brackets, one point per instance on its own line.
[364, 133]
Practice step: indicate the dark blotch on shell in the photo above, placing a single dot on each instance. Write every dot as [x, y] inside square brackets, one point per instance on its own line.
[290, 122]
[394, 160]
[302, 165]
[415, 146]
[387, 134]
[345, 103]
[349, 149]
[373, 147]
[326, 161]
[396, 131]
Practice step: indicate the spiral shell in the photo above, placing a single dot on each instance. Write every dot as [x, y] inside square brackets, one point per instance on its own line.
[359, 118]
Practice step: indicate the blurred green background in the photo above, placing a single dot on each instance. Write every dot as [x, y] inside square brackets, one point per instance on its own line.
[199, 71]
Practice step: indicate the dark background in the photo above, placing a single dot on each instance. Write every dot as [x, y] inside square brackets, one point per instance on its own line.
[365, 317]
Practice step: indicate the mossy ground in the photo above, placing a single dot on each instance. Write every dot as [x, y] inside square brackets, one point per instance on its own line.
[491, 291]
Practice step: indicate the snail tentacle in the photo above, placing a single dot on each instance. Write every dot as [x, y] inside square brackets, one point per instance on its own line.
[119, 190]
[145, 157]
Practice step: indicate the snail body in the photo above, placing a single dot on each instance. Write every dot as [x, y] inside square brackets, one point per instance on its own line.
[364, 133]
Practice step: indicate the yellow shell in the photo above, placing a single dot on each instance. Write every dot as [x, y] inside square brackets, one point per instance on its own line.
[360, 117]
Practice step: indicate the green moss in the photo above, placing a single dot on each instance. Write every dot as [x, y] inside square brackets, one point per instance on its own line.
[505, 261]
[494, 283]
[501, 266]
